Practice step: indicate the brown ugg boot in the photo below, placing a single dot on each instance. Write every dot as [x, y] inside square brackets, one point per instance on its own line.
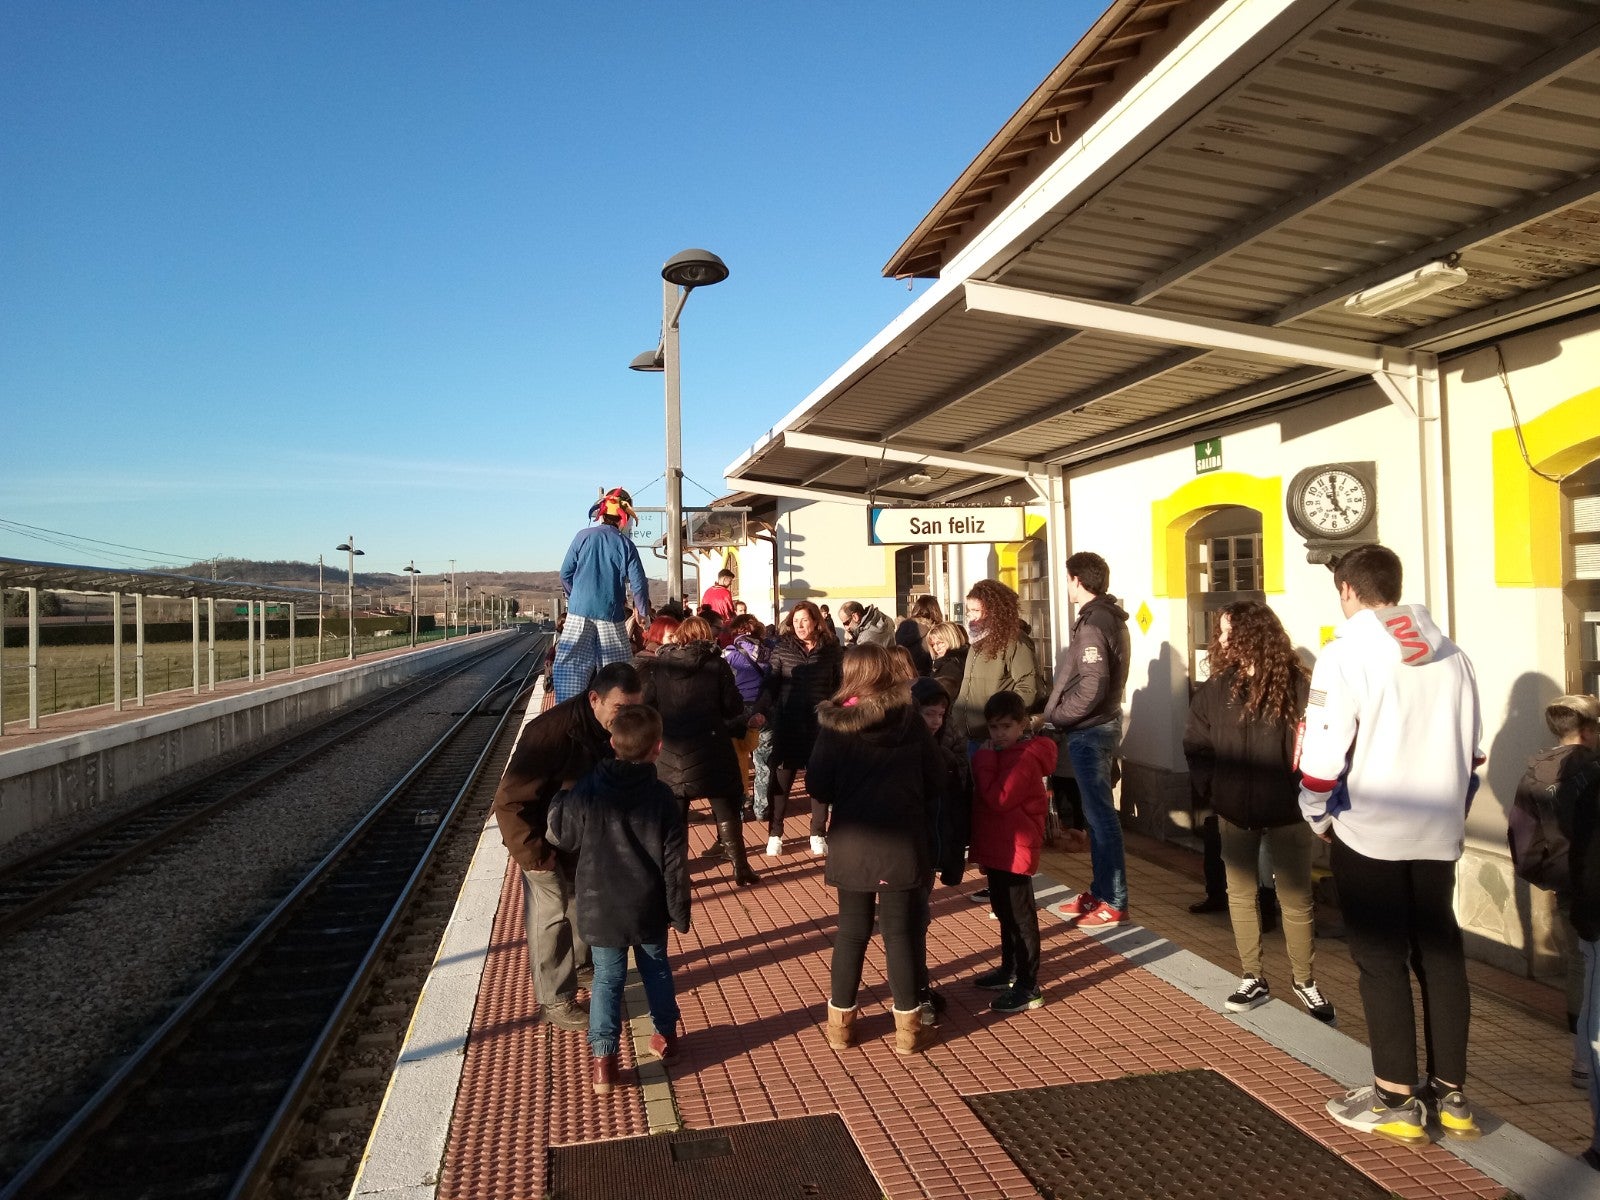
[911, 1036]
[841, 1030]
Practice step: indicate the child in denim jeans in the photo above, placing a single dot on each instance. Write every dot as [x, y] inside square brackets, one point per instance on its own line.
[631, 882]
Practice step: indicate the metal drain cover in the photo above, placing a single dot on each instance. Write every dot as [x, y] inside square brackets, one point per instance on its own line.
[1183, 1134]
[771, 1160]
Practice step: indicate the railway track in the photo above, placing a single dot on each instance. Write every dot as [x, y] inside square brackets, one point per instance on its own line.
[43, 883]
[202, 1108]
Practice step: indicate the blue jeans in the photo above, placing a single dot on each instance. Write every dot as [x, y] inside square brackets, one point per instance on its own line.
[605, 995]
[1092, 751]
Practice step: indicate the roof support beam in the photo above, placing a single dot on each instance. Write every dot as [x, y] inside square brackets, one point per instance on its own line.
[762, 487]
[1030, 353]
[991, 464]
[1181, 329]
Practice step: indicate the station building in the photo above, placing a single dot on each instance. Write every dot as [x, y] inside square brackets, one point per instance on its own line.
[1240, 286]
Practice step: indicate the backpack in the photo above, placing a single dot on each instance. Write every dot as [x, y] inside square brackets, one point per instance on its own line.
[1554, 782]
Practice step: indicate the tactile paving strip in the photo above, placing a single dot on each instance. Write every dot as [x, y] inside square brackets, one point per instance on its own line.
[1154, 1137]
[773, 1160]
[525, 1084]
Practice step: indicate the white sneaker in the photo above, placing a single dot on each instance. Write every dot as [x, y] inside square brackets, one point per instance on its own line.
[774, 847]
[819, 845]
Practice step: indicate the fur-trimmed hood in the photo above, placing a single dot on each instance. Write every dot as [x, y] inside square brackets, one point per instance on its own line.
[877, 718]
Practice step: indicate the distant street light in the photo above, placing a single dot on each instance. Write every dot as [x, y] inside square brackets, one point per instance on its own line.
[682, 273]
[413, 572]
[350, 588]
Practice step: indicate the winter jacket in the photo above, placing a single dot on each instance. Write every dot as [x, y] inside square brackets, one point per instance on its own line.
[876, 764]
[1559, 781]
[1087, 689]
[910, 634]
[1009, 803]
[949, 669]
[556, 748]
[797, 681]
[875, 628]
[632, 877]
[1390, 754]
[600, 564]
[1014, 669]
[748, 659]
[1578, 812]
[951, 826]
[694, 691]
[1243, 767]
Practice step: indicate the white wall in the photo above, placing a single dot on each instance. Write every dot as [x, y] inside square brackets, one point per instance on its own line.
[824, 556]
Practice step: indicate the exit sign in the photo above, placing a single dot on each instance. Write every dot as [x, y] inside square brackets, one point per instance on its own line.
[1208, 456]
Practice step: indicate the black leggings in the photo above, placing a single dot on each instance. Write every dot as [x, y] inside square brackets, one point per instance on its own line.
[1400, 918]
[1011, 897]
[778, 799]
[904, 944]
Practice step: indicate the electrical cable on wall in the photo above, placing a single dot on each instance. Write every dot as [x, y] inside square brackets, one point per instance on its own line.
[1516, 421]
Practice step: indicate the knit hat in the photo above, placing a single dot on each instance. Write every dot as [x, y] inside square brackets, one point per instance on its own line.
[615, 503]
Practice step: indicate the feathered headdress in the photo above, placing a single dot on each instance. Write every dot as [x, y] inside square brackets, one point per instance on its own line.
[615, 503]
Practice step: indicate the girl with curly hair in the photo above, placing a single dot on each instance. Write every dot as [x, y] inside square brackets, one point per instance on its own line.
[1001, 658]
[1240, 741]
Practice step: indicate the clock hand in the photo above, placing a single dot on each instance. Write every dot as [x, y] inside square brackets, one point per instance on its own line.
[1333, 495]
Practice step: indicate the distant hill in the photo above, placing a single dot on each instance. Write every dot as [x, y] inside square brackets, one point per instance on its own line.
[529, 587]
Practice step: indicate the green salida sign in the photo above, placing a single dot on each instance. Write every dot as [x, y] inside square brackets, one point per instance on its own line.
[1208, 456]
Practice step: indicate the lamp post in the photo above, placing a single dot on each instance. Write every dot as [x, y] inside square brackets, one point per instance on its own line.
[681, 274]
[319, 608]
[349, 547]
[412, 571]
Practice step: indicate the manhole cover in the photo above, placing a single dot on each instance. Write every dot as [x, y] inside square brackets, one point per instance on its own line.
[772, 1160]
[1184, 1134]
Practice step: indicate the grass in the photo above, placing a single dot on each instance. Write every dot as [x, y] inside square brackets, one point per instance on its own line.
[73, 677]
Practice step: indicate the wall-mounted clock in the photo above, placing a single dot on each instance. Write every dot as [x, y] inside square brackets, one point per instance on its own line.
[1333, 502]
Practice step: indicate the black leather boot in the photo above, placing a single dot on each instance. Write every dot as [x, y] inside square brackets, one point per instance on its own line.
[732, 835]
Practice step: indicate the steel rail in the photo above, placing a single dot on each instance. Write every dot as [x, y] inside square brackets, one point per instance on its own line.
[66, 1147]
[18, 877]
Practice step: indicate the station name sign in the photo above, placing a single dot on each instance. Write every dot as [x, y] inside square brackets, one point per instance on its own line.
[922, 526]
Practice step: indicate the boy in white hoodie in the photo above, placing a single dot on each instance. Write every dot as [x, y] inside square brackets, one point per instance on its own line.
[1388, 769]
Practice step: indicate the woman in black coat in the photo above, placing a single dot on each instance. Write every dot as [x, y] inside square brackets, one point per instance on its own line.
[1240, 743]
[875, 763]
[693, 689]
[947, 646]
[802, 672]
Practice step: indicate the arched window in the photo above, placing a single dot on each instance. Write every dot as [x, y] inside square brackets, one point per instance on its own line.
[1580, 571]
[1223, 556]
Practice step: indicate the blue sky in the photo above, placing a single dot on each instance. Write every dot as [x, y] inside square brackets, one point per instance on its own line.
[272, 274]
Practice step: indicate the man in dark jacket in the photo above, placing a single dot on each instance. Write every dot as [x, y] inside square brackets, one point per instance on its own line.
[1086, 704]
[632, 882]
[556, 749]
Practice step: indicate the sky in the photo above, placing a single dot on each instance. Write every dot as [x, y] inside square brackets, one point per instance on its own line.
[276, 274]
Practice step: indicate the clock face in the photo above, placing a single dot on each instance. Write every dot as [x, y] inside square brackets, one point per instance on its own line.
[1335, 502]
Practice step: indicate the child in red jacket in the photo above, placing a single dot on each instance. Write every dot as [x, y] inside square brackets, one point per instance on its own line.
[1008, 814]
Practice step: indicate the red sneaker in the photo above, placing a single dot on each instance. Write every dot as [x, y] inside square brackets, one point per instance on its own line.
[664, 1046]
[1078, 906]
[1104, 917]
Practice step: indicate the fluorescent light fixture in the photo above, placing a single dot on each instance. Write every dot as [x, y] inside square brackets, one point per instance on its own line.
[1427, 280]
[918, 478]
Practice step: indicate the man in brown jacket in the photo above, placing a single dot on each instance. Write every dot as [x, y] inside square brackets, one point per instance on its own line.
[556, 749]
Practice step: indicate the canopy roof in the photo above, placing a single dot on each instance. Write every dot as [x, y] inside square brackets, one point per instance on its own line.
[1281, 157]
[60, 577]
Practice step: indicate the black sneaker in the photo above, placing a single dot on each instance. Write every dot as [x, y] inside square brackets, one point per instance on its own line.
[997, 980]
[1318, 1005]
[1252, 992]
[1015, 999]
[981, 896]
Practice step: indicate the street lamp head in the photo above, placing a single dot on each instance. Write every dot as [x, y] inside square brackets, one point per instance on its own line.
[357, 552]
[649, 360]
[344, 546]
[694, 268]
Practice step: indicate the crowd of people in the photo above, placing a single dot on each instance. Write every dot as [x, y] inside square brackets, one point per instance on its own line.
[930, 746]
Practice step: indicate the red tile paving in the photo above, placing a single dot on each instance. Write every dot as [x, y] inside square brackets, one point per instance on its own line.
[752, 980]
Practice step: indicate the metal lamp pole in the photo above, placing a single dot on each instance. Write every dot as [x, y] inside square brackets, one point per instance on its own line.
[319, 608]
[682, 273]
[412, 571]
[350, 588]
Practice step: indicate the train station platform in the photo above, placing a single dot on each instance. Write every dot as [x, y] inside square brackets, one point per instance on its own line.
[488, 1102]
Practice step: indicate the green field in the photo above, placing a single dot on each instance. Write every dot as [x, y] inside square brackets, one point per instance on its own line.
[79, 676]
